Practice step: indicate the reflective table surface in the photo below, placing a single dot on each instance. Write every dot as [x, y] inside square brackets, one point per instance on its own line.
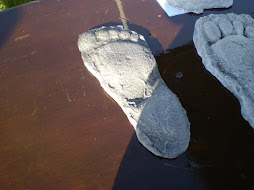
[60, 130]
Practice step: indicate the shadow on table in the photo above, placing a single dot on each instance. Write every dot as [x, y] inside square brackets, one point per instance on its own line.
[219, 149]
[220, 154]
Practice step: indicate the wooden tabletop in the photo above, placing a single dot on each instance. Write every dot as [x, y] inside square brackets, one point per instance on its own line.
[59, 130]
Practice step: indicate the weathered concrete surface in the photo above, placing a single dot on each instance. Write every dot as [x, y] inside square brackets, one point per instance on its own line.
[198, 6]
[226, 45]
[123, 63]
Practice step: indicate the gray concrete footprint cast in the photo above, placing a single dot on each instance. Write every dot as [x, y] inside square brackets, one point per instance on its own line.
[198, 6]
[126, 69]
[226, 45]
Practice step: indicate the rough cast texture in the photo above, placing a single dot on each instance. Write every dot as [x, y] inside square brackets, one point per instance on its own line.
[198, 6]
[125, 67]
[226, 45]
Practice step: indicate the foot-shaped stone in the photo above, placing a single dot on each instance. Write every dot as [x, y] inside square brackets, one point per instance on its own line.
[125, 67]
[198, 6]
[226, 45]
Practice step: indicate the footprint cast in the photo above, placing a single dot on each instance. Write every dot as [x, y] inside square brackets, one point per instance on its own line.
[126, 69]
[122, 62]
[225, 43]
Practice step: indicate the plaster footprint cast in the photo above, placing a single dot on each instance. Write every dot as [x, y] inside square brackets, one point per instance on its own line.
[125, 67]
[226, 45]
[198, 6]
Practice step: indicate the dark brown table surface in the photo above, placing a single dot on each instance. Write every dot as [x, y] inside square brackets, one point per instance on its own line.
[59, 130]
